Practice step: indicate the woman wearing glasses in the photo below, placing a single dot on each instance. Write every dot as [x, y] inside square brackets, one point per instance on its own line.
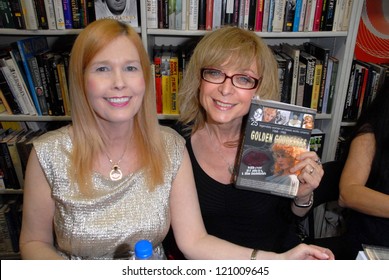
[229, 67]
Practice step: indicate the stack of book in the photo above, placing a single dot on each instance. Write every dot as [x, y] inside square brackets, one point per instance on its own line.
[256, 15]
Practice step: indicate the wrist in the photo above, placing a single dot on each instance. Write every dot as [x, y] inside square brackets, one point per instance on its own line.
[302, 203]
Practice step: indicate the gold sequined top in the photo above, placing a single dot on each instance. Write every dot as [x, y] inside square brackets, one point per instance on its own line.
[107, 225]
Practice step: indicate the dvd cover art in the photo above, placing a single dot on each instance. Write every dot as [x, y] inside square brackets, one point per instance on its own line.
[275, 134]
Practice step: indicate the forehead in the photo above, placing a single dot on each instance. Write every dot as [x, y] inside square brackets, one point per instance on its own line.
[120, 48]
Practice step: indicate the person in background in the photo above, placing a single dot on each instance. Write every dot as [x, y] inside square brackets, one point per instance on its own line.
[364, 183]
[228, 68]
[114, 176]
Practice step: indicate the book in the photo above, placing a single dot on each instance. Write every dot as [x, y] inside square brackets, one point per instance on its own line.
[297, 15]
[372, 252]
[152, 13]
[11, 180]
[7, 97]
[50, 14]
[15, 83]
[158, 78]
[5, 235]
[6, 18]
[172, 14]
[41, 14]
[317, 17]
[290, 11]
[127, 13]
[294, 53]
[310, 62]
[173, 83]
[17, 13]
[316, 84]
[278, 15]
[29, 13]
[301, 83]
[193, 19]
[251, 15]
[322, 54]
[259, 16]
[28, 49]
[59, 14]
[264, 141]
[288, 77]
[265, 19]
[334, 76]
[316, 142]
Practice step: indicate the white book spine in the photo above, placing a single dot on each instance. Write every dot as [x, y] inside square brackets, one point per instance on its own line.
[29, 13]
[265, 18]
[59, 16]
[14, 84]
[278, 18]
[217, 16]
[185, 14]
[193, 14]
[49, 7]
[152, 13]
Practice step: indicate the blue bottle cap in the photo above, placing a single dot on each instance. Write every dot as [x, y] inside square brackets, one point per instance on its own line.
[143, 249]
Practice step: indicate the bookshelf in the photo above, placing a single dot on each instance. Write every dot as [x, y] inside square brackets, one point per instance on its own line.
[341, 43]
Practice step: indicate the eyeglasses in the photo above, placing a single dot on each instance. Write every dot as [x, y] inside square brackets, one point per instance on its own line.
[242, 81]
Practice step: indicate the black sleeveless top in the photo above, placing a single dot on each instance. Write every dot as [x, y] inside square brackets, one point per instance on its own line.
[247, 218]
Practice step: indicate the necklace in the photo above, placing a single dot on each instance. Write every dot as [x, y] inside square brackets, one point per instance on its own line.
[230, 166]
[116, 174]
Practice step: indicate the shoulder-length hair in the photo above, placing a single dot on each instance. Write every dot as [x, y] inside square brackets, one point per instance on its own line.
[89, 138]
[239, 48]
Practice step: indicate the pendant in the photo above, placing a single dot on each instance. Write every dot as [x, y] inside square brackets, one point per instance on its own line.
[115, 174]
[231, 169]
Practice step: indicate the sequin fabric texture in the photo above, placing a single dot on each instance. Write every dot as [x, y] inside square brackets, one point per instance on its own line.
[109, 223]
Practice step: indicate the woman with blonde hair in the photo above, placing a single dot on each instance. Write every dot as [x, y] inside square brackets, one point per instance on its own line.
[228, 68]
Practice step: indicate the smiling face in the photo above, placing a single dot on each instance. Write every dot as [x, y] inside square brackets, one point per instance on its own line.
[114, 82]
[224, 102]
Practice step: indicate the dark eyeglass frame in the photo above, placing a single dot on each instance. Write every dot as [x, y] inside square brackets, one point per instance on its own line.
[256, 81]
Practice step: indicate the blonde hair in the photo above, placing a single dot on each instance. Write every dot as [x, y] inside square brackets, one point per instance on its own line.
[290, 151]
[89, 138]
[239, 48]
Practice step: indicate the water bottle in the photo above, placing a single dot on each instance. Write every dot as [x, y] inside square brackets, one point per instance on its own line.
[144, 250]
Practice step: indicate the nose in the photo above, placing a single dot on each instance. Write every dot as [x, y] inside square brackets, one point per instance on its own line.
[119, 80]
[226, 87]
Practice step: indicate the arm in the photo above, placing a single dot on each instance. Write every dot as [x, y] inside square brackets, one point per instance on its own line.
[353, 191]
[36, 238]
[192, 238]
[308, 182]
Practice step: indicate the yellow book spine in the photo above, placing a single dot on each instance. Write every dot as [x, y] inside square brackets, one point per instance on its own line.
[316, 86]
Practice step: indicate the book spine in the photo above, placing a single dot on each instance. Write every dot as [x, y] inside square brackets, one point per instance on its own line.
[15, 84]
[67, 12]
[209, 15]
[17, 13]
[29, 12]
[158, 82]
[316, 85]
[41, 14]
[290, 11]
[193, 14]
[6, 17]
[301, 84]
[297, 14]
[317, 16]
[179, 14]
[251, 18]
[76, 12]
[271, 16]
[5, 237]
[265, 20]
[217, 16]
[10, 177]
[64, 88]
[172, 14]
[329, 19]
[174, 84]
[51, 21]
[90, 12]
[327, 85]
[38, 87]
[8, 97]
[302, 15]
[202, 11]
[59, 14]
[259, 16]
[185, 14]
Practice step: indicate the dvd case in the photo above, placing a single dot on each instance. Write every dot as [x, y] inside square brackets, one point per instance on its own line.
[275, 133]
